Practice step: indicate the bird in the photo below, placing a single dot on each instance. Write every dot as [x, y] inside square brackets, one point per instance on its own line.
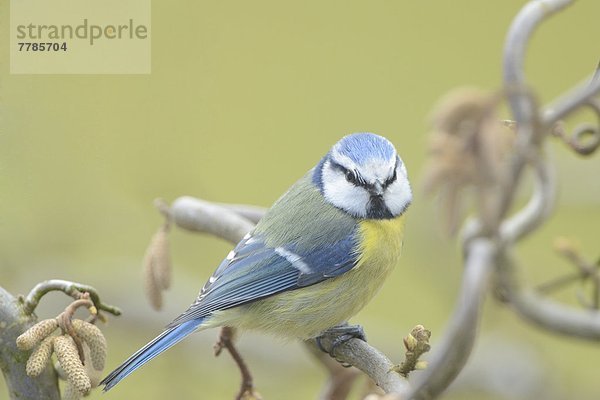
[316, 258]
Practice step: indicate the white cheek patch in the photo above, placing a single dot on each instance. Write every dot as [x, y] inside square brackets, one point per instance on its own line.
[343, 194]
[398, 195]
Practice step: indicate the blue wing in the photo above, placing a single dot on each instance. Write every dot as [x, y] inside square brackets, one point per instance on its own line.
[254, 270]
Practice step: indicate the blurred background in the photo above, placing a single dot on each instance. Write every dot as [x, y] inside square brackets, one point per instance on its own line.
[243, 98]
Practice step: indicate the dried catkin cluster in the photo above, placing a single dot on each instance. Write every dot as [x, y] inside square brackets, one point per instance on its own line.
[157, 267]
[467, 150]
[81, 377]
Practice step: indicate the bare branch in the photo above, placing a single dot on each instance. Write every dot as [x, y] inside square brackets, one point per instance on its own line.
[571, 101]
[449, 356]
[537, 209]
[531, 124]
[251, 213]
[515, 47]
[72, 289]
[368, 359]
[518, 36]
[203, 216]
[524, 109]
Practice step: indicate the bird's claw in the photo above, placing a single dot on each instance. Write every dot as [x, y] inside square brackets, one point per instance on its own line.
[340, 334]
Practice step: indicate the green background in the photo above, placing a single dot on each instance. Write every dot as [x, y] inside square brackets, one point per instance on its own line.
[243, 98]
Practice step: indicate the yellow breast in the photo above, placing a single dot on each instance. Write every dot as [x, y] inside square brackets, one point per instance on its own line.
[381, 242]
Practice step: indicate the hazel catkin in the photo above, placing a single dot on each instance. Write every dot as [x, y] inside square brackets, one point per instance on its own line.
[151, 286]
[28, 339]
[68, 357]
[39, 358]
[161, 263]
[94, 339]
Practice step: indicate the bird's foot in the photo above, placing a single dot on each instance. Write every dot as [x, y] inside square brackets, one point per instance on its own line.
[339, 335]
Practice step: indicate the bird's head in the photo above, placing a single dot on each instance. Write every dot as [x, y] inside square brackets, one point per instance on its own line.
[363, 175]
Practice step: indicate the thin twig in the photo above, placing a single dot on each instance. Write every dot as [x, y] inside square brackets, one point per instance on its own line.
[585, 138]
[226, 342]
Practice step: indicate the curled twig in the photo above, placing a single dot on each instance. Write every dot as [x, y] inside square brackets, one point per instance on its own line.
[73, 289]
[585, 138]
[64, 321]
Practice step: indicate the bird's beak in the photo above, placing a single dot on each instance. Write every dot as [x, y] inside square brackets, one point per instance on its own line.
[376, 189]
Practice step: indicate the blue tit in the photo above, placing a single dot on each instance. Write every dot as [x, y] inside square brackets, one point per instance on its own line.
[317, 257]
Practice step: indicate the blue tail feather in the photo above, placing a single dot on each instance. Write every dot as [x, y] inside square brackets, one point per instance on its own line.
[162, 342]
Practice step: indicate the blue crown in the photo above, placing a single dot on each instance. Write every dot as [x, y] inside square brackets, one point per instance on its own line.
[362, 147]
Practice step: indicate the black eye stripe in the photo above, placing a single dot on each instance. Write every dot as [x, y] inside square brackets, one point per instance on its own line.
[394, 176]
[356, 179]
[351, 176]
[337, 166]
[391, 179]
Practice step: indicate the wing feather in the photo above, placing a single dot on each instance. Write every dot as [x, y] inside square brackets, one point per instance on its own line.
[257, 271]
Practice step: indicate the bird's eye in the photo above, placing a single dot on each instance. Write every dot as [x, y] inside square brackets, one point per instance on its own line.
[351, 177]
